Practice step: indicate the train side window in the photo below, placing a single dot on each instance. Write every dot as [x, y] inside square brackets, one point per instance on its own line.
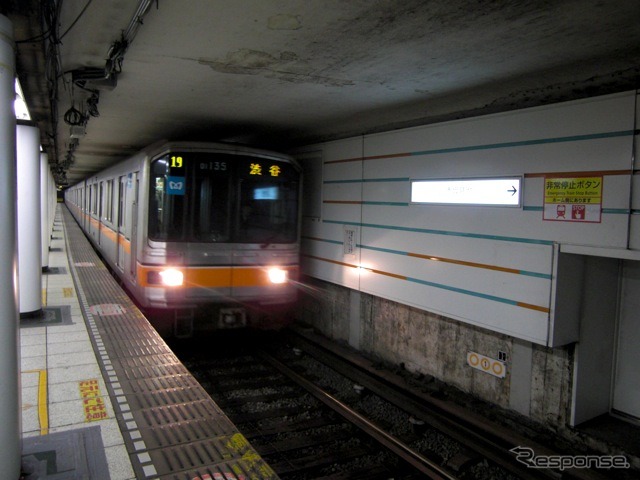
[94, 198]
[121, 194]
[108, 214]
[100, 200]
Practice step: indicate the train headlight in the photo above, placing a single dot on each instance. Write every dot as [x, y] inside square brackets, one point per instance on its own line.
[277, 275]
[171, 277]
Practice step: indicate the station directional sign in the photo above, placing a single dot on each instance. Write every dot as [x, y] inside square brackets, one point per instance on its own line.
[497, 191]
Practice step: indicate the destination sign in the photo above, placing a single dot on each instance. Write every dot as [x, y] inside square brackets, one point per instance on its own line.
[501, 191]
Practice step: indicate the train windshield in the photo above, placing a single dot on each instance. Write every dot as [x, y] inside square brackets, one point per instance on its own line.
[212, 197]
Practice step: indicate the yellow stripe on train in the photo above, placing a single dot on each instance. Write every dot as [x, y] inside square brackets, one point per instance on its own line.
[218, 277]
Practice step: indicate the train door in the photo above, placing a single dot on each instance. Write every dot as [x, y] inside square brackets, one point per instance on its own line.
[626, 391]
[83, 206]
[87, 216]
[134, 224]
[100, 201]
[122, 247]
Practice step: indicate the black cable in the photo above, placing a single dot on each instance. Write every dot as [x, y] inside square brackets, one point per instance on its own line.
[76, 20]
[73, 117]
[92, 104]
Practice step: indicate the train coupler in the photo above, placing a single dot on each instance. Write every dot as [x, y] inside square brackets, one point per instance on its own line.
[232, 318]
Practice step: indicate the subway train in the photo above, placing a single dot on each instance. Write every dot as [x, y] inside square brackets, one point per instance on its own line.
[203, 236]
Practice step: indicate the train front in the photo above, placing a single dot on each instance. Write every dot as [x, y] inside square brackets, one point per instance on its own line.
[222, 239]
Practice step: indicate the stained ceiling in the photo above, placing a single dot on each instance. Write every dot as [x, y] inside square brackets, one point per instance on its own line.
[106, 78]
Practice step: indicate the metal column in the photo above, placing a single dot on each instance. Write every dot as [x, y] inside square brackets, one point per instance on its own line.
[29, 215]
[45, 191]
[10, 412]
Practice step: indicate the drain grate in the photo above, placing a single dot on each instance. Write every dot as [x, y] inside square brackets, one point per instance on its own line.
[59, 315]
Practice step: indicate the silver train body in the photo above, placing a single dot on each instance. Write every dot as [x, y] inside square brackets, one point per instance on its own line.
[202, 235]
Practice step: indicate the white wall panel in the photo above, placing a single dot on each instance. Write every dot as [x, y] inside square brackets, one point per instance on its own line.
[534, 258]
[468, 280]
[495, 265]
[342, 192]
[331, 272]
[508, 319]
[341, 213]
[591, 153]
[341, 149]
[591, 117]
[390, 191]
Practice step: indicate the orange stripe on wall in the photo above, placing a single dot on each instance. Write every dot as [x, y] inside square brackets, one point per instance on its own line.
[328, 260]
[463, 262]
[371, 157]
[592, 173]
[534, 307]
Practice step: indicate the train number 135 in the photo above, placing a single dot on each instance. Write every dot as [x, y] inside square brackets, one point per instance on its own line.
[216, 166]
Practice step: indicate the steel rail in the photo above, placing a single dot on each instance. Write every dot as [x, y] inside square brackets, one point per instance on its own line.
[485, 443]
[478, 442]
[419, 462]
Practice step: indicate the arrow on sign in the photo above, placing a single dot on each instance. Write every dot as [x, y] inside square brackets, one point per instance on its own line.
[467, 191]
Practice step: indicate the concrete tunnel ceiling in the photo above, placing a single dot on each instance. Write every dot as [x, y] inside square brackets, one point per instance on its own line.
[278, 73]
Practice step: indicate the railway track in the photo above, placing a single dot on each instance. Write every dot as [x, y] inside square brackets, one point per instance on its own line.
[313, 413]
[296, 433]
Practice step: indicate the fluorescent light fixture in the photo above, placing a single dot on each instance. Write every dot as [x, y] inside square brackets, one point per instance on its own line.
[501, 191]
[19, 105]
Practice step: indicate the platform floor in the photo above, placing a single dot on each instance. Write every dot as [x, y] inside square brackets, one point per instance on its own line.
[103, 397]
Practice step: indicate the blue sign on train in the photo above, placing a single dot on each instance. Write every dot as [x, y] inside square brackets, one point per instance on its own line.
[176, 185]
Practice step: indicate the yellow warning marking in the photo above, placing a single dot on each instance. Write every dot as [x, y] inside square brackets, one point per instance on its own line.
[44, 296]
[486, 364]
[238, 443]
[67, 292]
[473, 360]
[250, 461]
[94, 407]
[43, 412]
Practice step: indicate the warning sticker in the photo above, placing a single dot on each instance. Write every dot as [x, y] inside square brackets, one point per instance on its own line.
[94, 407]
[573, 199]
